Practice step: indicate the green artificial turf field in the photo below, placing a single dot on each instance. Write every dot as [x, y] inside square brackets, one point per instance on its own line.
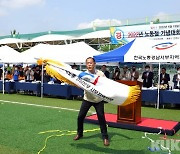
[21, 123]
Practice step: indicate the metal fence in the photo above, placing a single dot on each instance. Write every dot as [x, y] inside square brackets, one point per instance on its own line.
[138, 21]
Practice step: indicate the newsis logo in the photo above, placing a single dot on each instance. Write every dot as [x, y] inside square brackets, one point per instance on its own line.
[164, 46]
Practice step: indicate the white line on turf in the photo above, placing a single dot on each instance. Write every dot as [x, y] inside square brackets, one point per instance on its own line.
[52, 107]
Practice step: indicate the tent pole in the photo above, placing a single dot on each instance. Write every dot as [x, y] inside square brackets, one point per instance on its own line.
[42, 80]
[158, 98]
[3, 79]
[80, 67]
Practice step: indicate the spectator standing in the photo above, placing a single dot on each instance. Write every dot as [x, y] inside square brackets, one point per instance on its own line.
[46, 77]
[125, 75]
[16, 73]
[147, 77]
[37, 74]
[176, 79]
[134, 74]
[164, 78]
[105, 71]
[8, 75]
[116, 74]
[29, 74]
[21, 73]
[9, 69]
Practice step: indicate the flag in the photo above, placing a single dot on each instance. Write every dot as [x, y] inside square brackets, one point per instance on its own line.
[102, 87]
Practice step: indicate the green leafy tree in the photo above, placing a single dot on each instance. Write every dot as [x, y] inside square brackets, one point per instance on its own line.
[107, 47]
[14, 33]
[156, 21]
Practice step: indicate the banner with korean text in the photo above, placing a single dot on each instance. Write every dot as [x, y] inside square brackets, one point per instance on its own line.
[125, 34]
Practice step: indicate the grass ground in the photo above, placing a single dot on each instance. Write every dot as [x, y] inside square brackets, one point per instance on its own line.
[21, 123]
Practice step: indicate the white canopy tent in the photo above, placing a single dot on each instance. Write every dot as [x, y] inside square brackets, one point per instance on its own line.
[9, 55]
[71, 53]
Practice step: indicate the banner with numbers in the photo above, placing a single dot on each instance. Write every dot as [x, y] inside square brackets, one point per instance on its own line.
[125, 34]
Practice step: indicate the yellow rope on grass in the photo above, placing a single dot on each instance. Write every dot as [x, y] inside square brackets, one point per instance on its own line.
[64, 133]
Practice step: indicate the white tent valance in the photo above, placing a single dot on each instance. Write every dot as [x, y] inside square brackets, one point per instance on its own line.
[11, 40]
[96, 34]
[51, 37]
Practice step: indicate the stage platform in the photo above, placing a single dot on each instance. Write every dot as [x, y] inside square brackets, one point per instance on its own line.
[146, 125]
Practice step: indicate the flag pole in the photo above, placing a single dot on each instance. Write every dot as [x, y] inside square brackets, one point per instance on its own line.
[42, 80]
[158, 98]
[3, 79]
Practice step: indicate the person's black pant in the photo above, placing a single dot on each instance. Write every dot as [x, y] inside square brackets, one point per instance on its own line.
[99, 107]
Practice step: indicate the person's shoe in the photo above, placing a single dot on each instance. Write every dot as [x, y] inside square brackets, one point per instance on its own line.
[77, 137]
[106, 142]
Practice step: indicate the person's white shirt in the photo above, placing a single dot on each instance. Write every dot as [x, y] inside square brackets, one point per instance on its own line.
[90, 97]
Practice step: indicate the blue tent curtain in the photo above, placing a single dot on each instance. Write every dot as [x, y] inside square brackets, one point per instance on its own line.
[116, 55]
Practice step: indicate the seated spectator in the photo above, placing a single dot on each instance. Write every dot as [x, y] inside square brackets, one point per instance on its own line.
[134, 74]
[116, 74]
[164, 78]
[176, 79]
[125, 75]
[105, 71]
[147, 77]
